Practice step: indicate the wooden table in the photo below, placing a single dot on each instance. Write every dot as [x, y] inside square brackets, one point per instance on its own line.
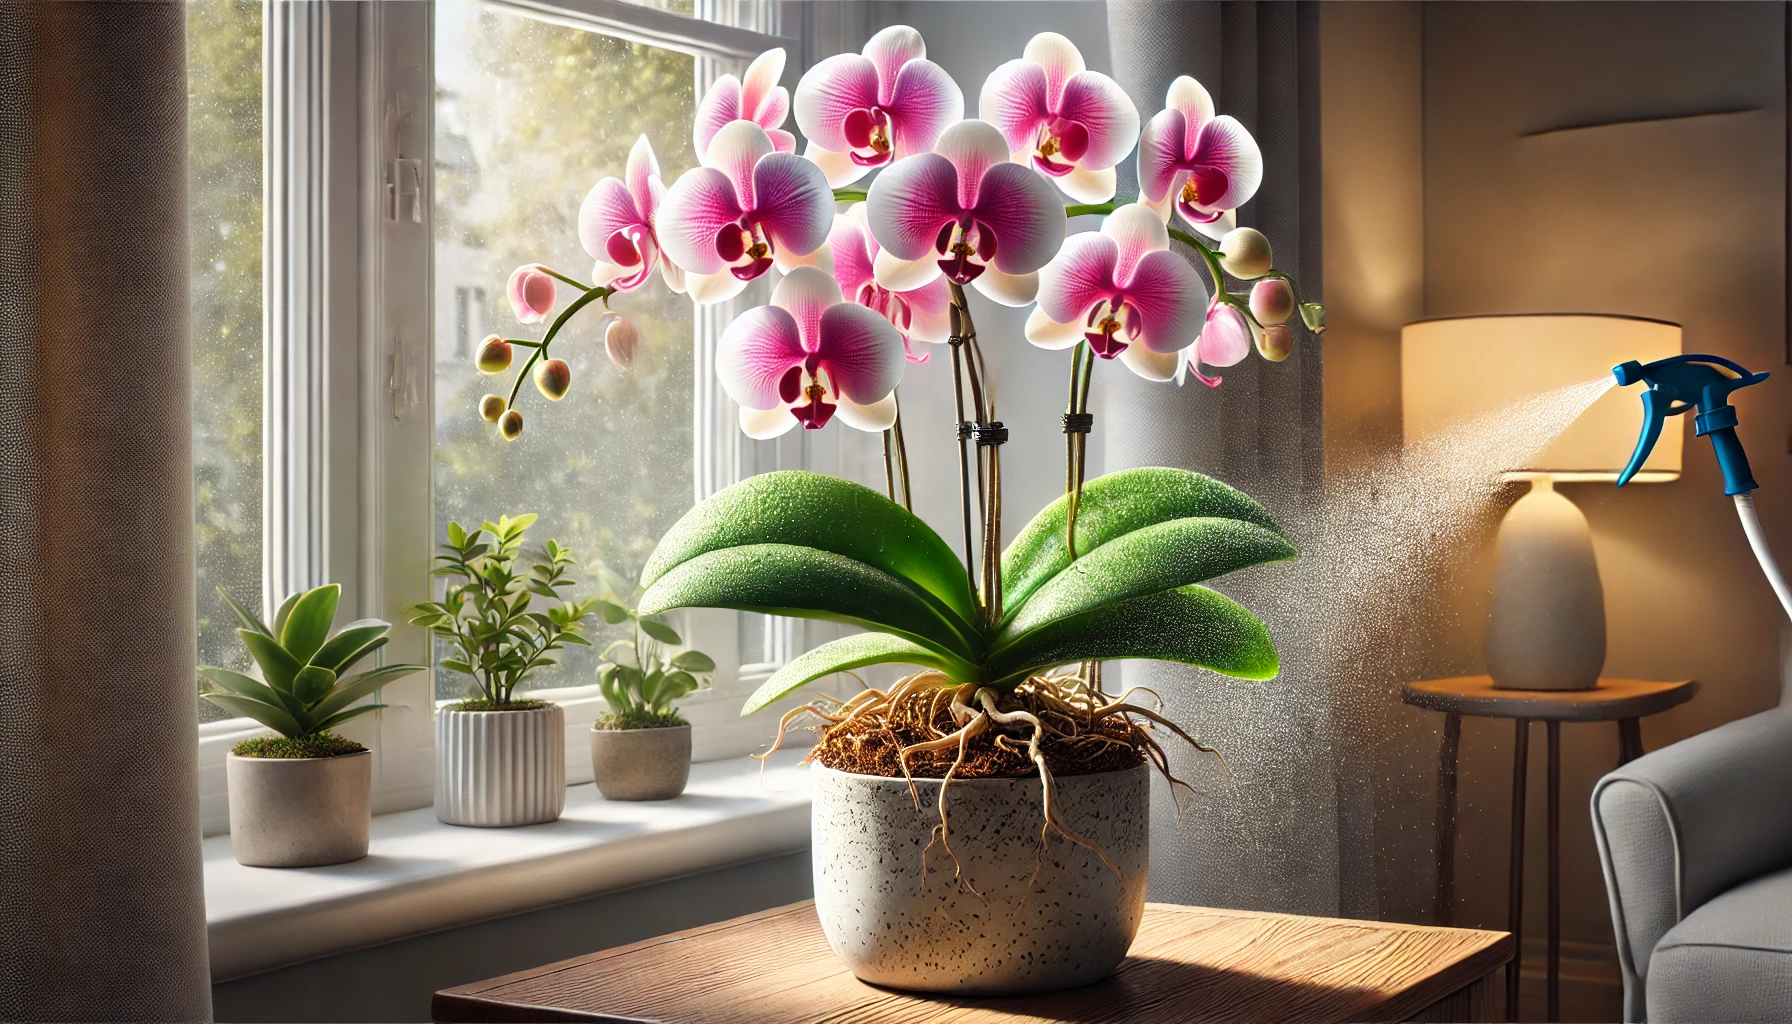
[1189, 964]
[1625, 701]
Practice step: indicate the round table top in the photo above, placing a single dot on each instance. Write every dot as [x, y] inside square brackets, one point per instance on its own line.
[1612, 699]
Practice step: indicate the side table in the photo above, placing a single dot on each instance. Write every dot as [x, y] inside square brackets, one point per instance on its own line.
[1624, 701]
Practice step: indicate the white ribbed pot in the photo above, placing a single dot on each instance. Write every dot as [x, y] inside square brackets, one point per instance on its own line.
[899, 922]
[495, 769]
[299, 812]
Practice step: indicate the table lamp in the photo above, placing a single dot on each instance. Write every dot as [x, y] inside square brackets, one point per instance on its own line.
[1546, 629]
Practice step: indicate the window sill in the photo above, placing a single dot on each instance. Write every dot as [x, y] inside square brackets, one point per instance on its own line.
[422, 876]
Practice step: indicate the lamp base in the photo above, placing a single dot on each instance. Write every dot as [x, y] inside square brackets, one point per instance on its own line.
[1546, 630]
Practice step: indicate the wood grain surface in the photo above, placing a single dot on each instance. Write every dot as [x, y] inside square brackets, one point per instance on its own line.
[1611, 700]
[1188, 964]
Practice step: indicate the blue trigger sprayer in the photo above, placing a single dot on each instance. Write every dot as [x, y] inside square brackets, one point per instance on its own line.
[1680, 384]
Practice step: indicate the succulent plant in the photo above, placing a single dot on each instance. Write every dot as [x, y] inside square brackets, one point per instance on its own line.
[302, 691]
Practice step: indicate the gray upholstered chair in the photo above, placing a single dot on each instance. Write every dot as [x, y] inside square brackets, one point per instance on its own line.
[1696, 842]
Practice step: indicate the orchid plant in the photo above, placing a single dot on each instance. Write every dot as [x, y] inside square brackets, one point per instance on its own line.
[872, 278]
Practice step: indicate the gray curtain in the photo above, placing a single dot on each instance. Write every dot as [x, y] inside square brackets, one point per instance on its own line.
[1264, 834]
[102, 912]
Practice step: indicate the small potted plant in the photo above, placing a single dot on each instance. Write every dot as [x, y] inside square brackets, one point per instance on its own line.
[641, 749]
[501, 761]
[301, 799]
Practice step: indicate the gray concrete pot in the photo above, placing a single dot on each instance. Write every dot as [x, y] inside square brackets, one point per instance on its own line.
[898, 923]
[641, 764]
[299, 812]
[495, 769]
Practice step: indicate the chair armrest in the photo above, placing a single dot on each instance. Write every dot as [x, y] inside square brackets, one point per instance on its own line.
[1688, 822]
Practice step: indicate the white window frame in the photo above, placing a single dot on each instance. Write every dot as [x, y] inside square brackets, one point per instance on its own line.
[348, 401]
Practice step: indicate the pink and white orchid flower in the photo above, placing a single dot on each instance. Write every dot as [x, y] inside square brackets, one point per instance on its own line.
[616, 225]
[748, 206]
[1225, 340]
[1071, 124]
[864, 110]
[807, 356]
[1203, 165]
[1124, 292]
[965, 211]
[531, 294]
[755, 96]
[918, 314]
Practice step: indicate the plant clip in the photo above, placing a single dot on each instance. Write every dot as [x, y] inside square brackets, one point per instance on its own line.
[1078, 422]
[989, 435]
[965, 430]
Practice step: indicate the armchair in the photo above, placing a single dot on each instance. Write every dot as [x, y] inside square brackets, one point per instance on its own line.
[1696, 844]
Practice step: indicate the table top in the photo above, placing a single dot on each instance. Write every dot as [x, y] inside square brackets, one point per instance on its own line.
[1188, 964]
[1611, 700]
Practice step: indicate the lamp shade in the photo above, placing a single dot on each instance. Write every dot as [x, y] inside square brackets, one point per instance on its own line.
[1456, 370]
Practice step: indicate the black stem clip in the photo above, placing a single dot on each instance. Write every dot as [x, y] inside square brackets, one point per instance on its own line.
[1079, 422]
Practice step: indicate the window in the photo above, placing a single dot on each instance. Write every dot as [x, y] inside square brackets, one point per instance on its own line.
[224, 240]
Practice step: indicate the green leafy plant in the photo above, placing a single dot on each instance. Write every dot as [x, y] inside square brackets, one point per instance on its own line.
[500, 633]
[302, 692]
[813, 546]
[642, 685]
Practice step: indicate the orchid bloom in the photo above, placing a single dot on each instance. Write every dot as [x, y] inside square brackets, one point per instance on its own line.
[616, 225]
[1071, 124]
[867, 109]
[1204, 165]
[531, 294]
[807, 356]
[964, 210]
[1124, 292]
[755, 96]
[918, 314]
[1225, 340]
[748, 206]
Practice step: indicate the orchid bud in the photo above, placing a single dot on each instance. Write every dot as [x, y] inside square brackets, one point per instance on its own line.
[1272, 301]
[531, 294]
[491, 407]
[553, 378]
[1244, 253]
[494, 355]
[510, 425]
[1275, 343]
[619, 342]
[1313, 315]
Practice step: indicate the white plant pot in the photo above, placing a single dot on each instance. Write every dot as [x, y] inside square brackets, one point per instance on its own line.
[899, 924]
[641, 764]
[495, 769]
[299, 812]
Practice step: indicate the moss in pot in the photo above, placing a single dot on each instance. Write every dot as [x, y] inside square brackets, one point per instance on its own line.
[303, 798]
[641, 747]
[501, 761]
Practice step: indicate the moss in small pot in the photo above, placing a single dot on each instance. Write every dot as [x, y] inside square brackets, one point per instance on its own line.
[640, 718]
[323, 744]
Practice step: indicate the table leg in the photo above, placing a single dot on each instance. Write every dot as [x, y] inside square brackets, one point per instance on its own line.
[1515, 867]
[1554, 730]
[1446, 818]
[1630, 740]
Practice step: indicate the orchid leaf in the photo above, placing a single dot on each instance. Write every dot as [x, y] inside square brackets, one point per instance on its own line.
[1112, 506]
[1191, 625]
[809, 510]
[853, 652]
[783, 579]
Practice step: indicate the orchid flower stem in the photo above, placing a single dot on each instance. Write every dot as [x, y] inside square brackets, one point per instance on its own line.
[591, 295]
[569, 280]
[964, 447]
[1079, 450]
[519, 341]
[850, 195]
[902, 458]
[1070, 446]
[890, 461]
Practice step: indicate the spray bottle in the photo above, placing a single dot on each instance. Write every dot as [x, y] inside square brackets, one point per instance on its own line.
[1685, 382]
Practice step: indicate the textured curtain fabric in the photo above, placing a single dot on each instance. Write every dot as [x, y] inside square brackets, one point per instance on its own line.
[1263, 834]
[102, 914]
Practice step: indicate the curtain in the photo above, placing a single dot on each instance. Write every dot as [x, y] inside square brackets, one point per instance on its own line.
[1262, 830]
[102, 911]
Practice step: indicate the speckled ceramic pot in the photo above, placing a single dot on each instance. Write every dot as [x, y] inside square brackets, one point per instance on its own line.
[641, 764]
[299, 812]
[496, 769]
[892, 910]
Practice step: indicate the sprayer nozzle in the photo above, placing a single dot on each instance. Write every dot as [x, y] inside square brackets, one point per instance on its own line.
[1628, 373]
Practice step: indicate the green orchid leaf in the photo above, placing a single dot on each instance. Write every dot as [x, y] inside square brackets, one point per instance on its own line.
[285, 610]
[825, 513]
[782, 579]
[267, 714]
[278, 666]
[312, 682]
[1191, 625]
[1111, 506]
[660, 631]
[350, 643]
[847, 654]
[1147, 560]
[355, 687]
[342, 716]
[693, 661]
[249, 619]
[245, 686]
[308, 624]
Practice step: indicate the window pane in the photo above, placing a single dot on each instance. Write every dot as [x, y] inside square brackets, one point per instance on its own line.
[529, 116]
[224, 199]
